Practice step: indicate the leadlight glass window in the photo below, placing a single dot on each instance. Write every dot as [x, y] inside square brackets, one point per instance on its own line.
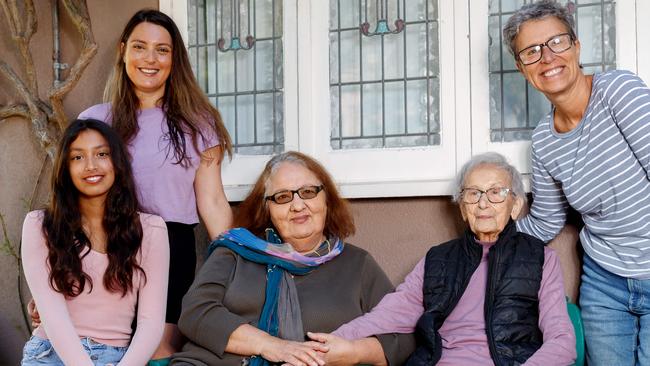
[235, 48]
[384, 74]
[515, 106]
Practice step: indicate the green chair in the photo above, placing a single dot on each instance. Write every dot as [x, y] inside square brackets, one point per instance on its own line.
[159, 362]
[574, 315]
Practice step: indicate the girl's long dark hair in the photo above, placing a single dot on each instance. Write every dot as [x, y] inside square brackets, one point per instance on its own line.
[66, 241]
[187, 109]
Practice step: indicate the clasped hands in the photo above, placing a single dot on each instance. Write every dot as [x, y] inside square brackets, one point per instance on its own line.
[323, 349]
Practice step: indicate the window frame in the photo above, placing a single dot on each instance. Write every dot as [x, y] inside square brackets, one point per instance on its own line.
[387, 172]
[464, 77]
[239, 174]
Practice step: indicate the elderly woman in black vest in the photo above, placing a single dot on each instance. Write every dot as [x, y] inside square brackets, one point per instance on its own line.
[492, 296]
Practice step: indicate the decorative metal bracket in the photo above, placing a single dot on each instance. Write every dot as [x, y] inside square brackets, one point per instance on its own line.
[235, 44]
[382, 28]
[235, 27]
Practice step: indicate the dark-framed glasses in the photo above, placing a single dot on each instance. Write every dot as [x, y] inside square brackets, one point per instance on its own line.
[306, 193]
[557, 44]
[494, 195]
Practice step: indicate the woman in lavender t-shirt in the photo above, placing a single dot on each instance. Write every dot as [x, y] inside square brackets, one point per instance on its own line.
[176, 139]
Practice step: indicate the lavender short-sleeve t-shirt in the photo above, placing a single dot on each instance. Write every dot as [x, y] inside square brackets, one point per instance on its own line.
[164, 188]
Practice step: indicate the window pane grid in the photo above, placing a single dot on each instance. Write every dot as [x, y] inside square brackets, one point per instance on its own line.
[369, 95]
[238, 71]
[515, 106]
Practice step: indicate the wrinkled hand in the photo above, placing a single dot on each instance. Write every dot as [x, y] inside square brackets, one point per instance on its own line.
[33, 313]
[342, 352]
[294, 353]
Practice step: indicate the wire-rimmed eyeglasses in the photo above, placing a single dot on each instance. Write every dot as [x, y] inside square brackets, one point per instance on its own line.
[557, 44]
[306, 193]
[494, 195]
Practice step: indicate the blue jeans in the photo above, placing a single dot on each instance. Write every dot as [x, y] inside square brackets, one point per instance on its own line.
[39, 351]
[616, 317]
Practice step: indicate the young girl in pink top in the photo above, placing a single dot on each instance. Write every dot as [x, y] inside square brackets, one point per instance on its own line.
[92, 262]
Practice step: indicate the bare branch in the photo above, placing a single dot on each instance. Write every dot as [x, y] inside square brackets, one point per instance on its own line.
[21, 88]
[6, 245]
[14, 110]
[22, 34]
[78, 12]
[21, 110]
[47, 119]
[26, 33]
[38, 117]
[12, 18]
[30, 70]
[31, 19]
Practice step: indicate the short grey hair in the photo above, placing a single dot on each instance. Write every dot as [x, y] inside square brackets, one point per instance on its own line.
[499, 162]
[535, 11]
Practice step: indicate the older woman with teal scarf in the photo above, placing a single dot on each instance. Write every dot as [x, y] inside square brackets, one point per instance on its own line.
[284, 272]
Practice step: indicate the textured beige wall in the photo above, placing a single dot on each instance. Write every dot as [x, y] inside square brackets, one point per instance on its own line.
[20, 157]
[399, 231]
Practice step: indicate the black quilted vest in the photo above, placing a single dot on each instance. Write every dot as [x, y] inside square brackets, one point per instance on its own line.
[515, 265]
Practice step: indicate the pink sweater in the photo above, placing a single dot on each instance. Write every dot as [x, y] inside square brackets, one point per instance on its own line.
[100, 315]
[464, 340]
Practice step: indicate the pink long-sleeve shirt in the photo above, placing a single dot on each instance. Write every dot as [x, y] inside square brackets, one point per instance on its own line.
[464, 339]
[99, 314]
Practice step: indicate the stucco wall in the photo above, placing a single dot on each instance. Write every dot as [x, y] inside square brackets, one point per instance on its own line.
[396, 231]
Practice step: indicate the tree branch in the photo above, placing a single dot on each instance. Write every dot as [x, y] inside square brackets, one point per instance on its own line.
[29, 28]
[21, 110]
[38, 117]
[6, 243]
[31, 19]
[21, 88]
[11, 16]
[14, 110]
[22, 34]
[78, 12]
[48, 119]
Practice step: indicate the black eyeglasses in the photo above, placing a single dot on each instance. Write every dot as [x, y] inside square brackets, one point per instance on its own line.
[557, 44]
[306, 193]
[494, 195]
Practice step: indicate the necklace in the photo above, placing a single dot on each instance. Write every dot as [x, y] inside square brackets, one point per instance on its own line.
[323, 249]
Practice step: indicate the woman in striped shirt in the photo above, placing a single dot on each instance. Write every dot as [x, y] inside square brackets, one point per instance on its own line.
[591, 152]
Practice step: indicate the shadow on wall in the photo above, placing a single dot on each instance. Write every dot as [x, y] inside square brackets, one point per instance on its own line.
[13, 338]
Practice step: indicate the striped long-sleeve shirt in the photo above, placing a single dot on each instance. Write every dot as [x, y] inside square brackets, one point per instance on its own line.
[601, 168]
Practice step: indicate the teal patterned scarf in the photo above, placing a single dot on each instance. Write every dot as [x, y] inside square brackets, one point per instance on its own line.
[281, 312]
